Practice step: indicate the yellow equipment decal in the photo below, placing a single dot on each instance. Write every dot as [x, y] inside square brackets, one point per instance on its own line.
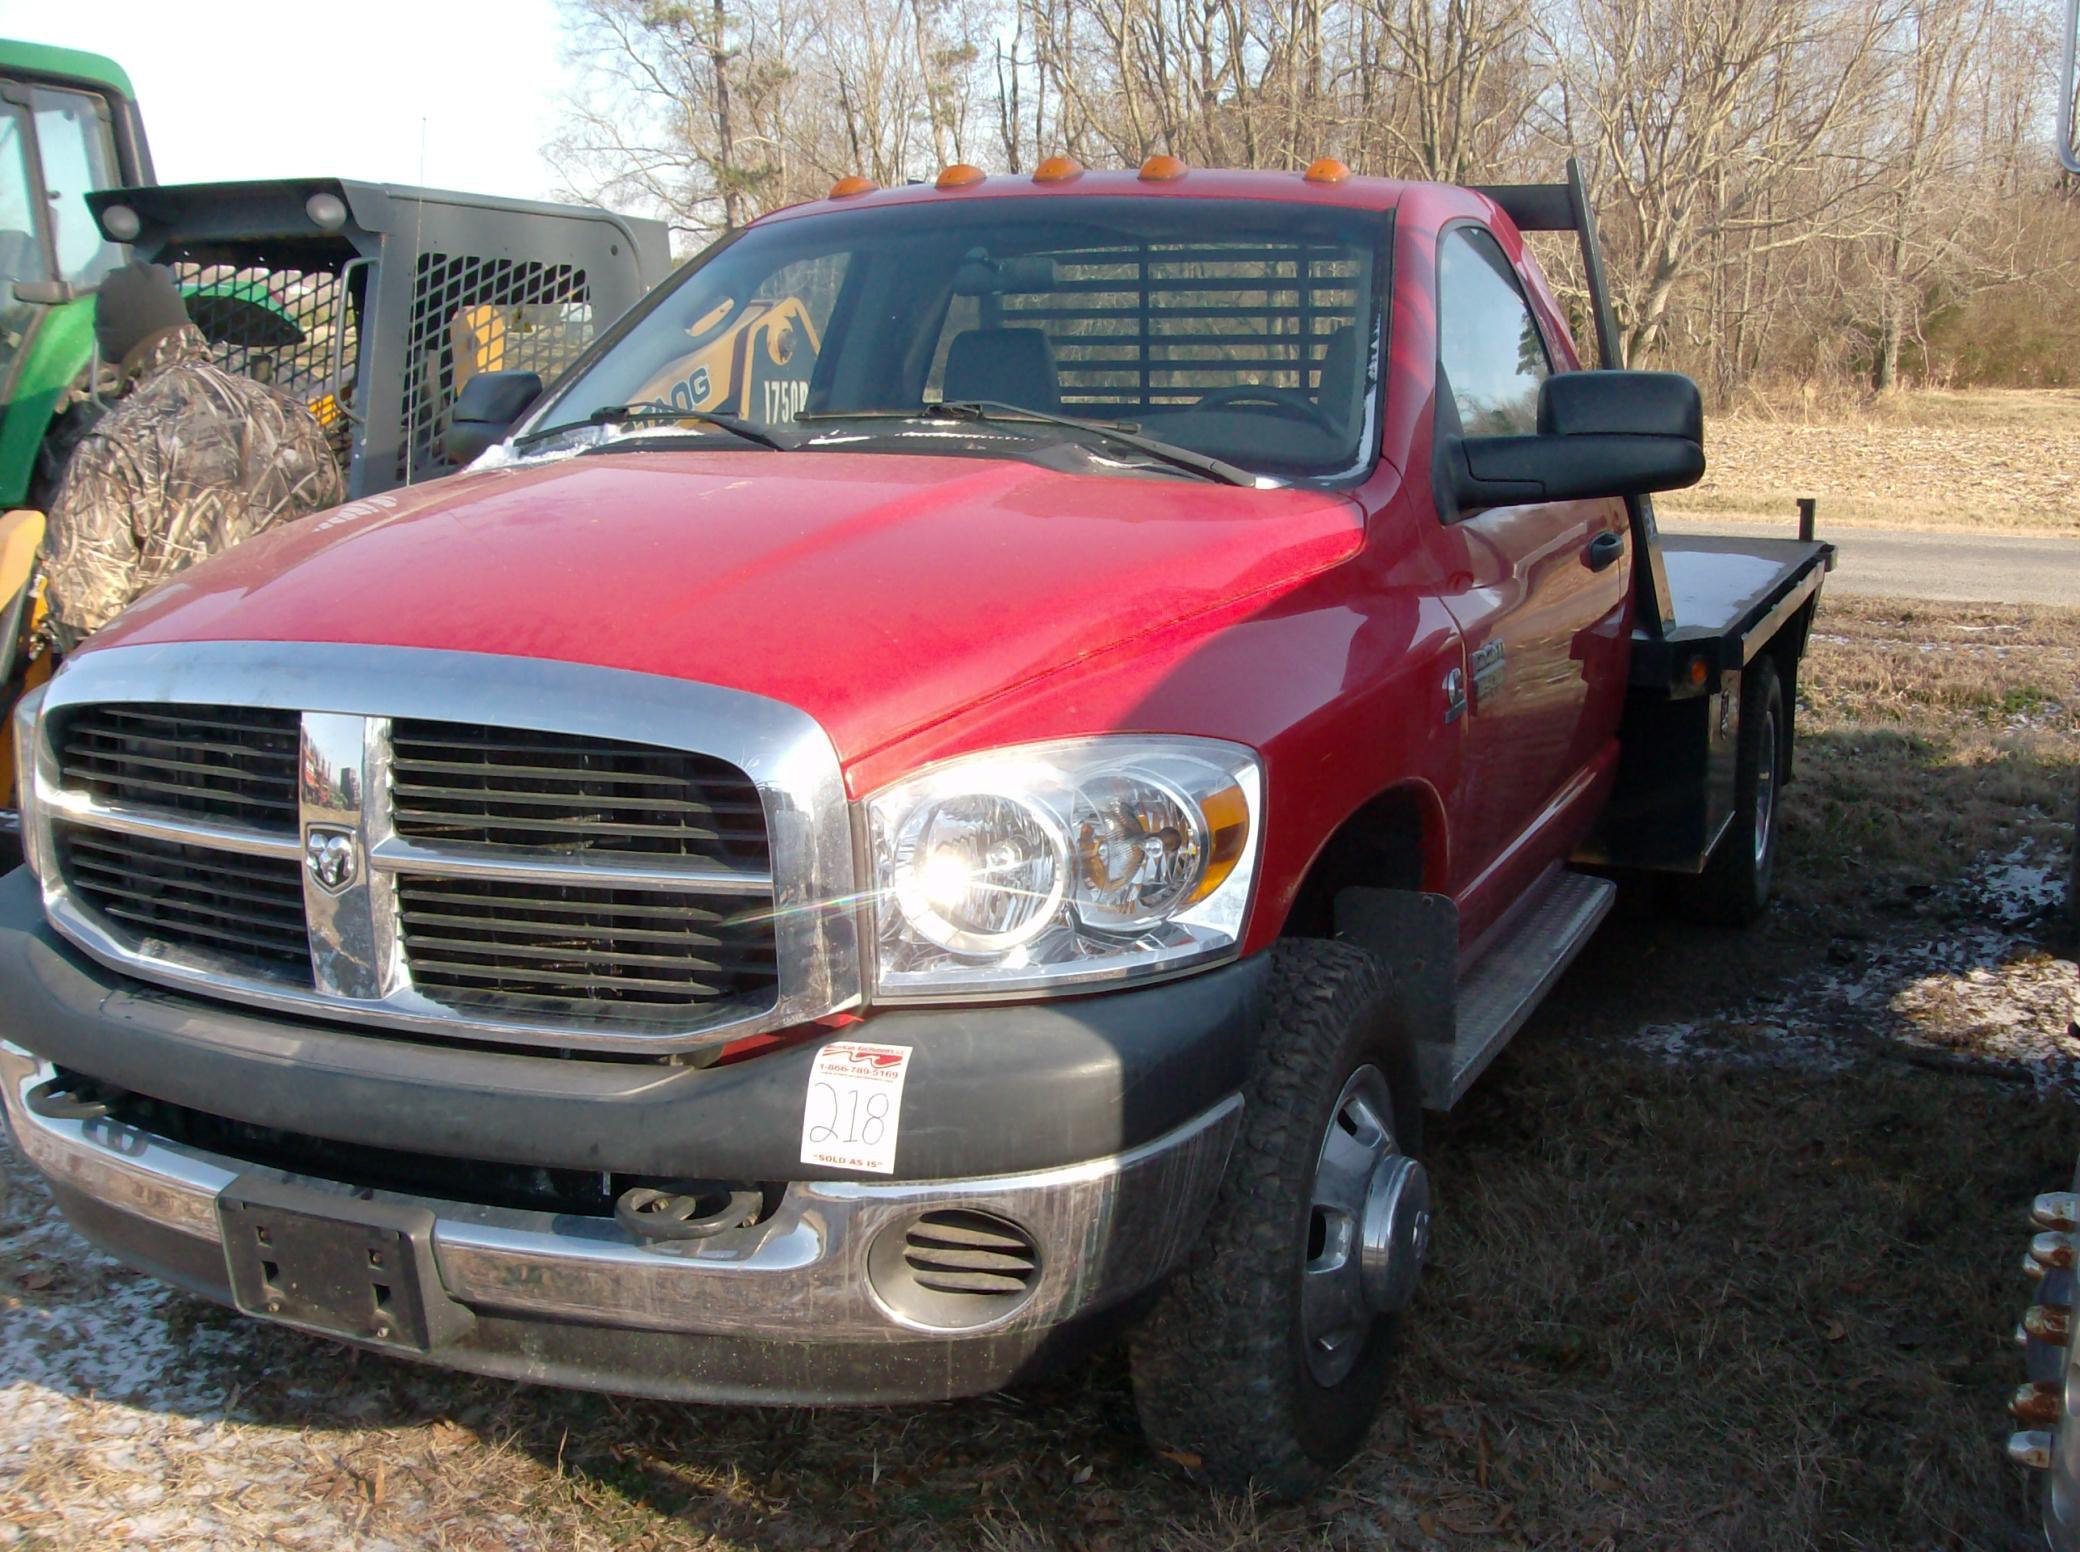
[758, 368]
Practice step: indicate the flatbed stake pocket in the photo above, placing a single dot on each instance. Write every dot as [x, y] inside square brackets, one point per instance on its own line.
[340, 1265]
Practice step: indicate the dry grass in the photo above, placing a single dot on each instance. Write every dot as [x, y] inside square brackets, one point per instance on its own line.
[2005, 460]
[1755, 1296]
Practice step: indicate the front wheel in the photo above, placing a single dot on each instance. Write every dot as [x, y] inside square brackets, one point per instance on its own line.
[1265, 1358]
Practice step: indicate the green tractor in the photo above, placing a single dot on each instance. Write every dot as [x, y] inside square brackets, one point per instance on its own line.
[70, 127]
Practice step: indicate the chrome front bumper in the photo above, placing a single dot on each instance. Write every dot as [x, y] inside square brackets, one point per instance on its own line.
[795, 1284]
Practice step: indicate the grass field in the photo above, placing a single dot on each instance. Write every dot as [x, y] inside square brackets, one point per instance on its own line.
[1994, 460]
[1727, 1257]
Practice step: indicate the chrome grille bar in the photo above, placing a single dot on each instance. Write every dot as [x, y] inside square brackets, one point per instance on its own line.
[396, 855]
[619, 939]
[215, 834]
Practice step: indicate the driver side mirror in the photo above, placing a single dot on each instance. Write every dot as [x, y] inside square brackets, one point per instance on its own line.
[1600, 433]
[486, 409]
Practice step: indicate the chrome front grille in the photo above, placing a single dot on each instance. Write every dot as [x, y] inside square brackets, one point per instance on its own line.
[535, 876]
[235, 763]
[248, 908]
[453, 781]
[575, 953]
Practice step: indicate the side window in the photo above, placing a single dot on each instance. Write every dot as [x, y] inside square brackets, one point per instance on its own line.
[1488, 345]
[79, 156]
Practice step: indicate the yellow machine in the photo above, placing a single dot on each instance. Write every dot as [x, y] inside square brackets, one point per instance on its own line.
[21, 621]
[752, 359]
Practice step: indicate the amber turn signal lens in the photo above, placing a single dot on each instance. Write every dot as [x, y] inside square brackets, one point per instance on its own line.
[1227, 825]
[961, 176]
[1328, 170]
[846, 187]
[1058, 169]
[1162, 169]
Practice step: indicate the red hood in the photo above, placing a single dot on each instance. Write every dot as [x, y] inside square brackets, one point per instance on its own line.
[877, 592]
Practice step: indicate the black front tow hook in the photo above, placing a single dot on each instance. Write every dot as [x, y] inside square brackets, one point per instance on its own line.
[72, 1098]
[685, 1210]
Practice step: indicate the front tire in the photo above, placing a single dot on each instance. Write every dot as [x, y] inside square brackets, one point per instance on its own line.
[1264, 1360]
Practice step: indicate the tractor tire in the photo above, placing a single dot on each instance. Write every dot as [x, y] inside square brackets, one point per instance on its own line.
[1262, 1364]
[1734, 887]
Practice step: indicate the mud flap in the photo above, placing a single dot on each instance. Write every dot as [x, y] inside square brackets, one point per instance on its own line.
[1416, 936]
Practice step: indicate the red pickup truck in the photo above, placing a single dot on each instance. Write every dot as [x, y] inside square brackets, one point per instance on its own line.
[852, 896]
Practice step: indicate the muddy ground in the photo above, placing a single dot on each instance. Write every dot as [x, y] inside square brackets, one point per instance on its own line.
[1728, 1254]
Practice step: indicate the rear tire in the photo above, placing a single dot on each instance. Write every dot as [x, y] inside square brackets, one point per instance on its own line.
[1263, 1362]
[1734, 887]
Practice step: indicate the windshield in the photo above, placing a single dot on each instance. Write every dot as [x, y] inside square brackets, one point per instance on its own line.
[1243, 330]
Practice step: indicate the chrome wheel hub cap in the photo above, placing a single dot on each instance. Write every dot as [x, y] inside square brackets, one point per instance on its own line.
[1368, 1228]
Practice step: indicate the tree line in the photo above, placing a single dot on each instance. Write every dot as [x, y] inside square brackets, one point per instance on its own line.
[1816, 191]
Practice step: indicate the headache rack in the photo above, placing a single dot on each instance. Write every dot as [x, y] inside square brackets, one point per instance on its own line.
[375, 304]
[1144, 327]
[1564, 207]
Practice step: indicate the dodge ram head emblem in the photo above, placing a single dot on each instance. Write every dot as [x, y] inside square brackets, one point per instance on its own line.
[330, 857]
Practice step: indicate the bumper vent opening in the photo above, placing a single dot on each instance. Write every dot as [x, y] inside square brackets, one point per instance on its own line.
[954, 1268]
[968, 1252]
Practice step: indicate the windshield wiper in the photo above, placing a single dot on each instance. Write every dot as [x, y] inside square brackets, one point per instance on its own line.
[640, 414]
[1110, 430]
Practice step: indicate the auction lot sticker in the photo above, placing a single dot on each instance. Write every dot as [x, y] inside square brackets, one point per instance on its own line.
[855, 1105]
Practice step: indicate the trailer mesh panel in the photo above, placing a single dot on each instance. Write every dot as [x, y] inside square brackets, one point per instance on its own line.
[292, 328]
[472, 314]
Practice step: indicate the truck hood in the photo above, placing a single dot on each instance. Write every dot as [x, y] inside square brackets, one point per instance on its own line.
[877, 592]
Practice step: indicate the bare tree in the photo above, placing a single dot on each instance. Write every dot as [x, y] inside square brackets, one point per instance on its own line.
[1787, 186]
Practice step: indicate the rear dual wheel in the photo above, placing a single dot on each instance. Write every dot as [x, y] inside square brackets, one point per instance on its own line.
[1264, 1360]
[1734, 887]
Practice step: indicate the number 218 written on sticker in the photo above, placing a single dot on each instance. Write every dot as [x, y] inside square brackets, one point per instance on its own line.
[855, 1106]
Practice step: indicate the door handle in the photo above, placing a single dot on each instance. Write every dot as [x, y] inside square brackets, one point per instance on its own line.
[1605, 548]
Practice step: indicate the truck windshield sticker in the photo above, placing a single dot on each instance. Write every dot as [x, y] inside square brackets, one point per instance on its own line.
[855, 1105]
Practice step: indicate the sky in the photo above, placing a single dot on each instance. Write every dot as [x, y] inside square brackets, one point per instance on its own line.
[457, 94]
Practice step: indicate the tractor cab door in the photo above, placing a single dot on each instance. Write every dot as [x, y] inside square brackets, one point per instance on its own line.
[23, 255]
[57, 145]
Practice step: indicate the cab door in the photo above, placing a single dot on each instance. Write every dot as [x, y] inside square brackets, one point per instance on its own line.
[1540, 594]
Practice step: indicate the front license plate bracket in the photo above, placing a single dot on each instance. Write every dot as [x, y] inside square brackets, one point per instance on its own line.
[341, 1265]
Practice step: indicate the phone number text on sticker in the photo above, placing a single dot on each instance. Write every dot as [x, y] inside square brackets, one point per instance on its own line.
[855, 1106]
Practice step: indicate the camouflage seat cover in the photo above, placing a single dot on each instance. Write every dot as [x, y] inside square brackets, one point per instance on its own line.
[191, 461]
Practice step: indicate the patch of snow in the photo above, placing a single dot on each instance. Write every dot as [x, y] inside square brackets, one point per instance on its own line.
[1976, 991]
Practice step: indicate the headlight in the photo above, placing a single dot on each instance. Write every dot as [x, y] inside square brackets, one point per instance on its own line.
[1063, 865]
[28, 712]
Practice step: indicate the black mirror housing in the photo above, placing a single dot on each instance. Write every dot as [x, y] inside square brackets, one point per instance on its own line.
[1604, 433]
[486, 410]
[46, 293]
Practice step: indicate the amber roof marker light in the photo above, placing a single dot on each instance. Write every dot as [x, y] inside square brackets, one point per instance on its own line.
[852, 185]
[960, 176]
[1058, 169]
[1162, 169]
[1327, 169]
